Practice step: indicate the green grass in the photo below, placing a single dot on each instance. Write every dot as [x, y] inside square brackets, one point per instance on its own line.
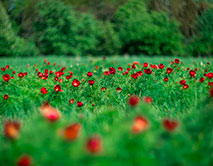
[111, 118]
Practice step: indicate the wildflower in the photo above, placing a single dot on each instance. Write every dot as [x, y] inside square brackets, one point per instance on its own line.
[91, 82]
[170, 125]
[139, 125]
[72, 132]
[147, 99]
[177, 61]
[89, 74]
[11, 129]
[185, 86]
[57, 88]
[133, 100]
[50, 113]
[43, 90]
[80, 104]
[103, 88]
[71, 101]
[112, 70]
[192, 73]
[147, 71]
[24, 160]
[76, 83]
[182, 82]
[6, 77]
[166, 79]
[118, 89]
[161, 66]
[169, 70]
[202, 79]
[94, 144]
[6, 97]
[21, 75]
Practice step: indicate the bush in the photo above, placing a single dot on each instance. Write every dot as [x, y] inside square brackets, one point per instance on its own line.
[109, 42]
[147, 33]
[203, 44]
[61, 31]
[10, 43]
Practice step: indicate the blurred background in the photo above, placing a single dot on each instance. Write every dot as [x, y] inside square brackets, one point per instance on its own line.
[106, 27]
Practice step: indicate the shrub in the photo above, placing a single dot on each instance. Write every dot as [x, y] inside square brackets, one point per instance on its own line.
[10, 43]
[148, 33]
[59, 30]
[203, 44]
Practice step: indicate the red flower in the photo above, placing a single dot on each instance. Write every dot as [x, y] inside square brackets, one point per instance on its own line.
[57, 88]
[185, 86]
[211, 92]
[192, 73]
[147, 99]
[80, 104]
[21, 74]
[182, 82]
[103, 88]
[210, 83]
[24, 160]
[76, 83]
[210, 75]
[202, 79]
[120, 69]
[139, 125]
[72, 132]
[133, 66]
[166, 79]
[91, 82]
[170, 125]
[6, 97]
[6, 77]
[112, 70]
[89, 74]
[50, 113]
[43, 90]
[71, 101]
[147, 71]
[169, 70]
[161, 66]
[94, 144]
[133, 100]
[11, 129]
[134, 75]
[177, 61]
[145, 65]
[118, 89]
[140, 73]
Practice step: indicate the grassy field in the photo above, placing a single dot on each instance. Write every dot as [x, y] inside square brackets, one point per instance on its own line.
[114, 111]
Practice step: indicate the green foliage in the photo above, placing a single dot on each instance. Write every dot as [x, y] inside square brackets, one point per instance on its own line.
[10, 43]
[149, 33]
[61, 31]
[203, 44]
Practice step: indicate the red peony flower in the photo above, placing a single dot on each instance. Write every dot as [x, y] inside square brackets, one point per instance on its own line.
[50, 113]
[71, 101]
[103, 88]
[210, 75]
[170, 125]
[24, 160]
[6, 97]
[76, 83]
[211, 92]
[94, 144]
[161, 66]
[11, 129]
[182, 82]
[120, 69]
[6, 77]
[80, 104]
[72, 131]
[147, 71]
[134, 75]
[118, 89]
[57, 88]
[89, 74]
[133, 100]
[139, 125]
[43, 90]
[192, 73]
[133, 66]
[147, 99]
[177, 61]
[166, 79]
[169, 70]
[21, 75]
[91, 82]
[185, 86]
[202, 79]
[112, 70]
[145, 65]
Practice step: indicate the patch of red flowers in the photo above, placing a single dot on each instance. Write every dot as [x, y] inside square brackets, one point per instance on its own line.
[185, 86]
[192, 73]
[169, 70]
[94, 144]
[80, 104]
[91, 82]
[177, 61]
[166, 79]
[21, 75]
[89, 74]
[161, 66]
[133, 100]
[140, 124]
[170, 125]
[57, 88]
[24, 160]
[112, 70]
[11, 129]
[147, 71]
